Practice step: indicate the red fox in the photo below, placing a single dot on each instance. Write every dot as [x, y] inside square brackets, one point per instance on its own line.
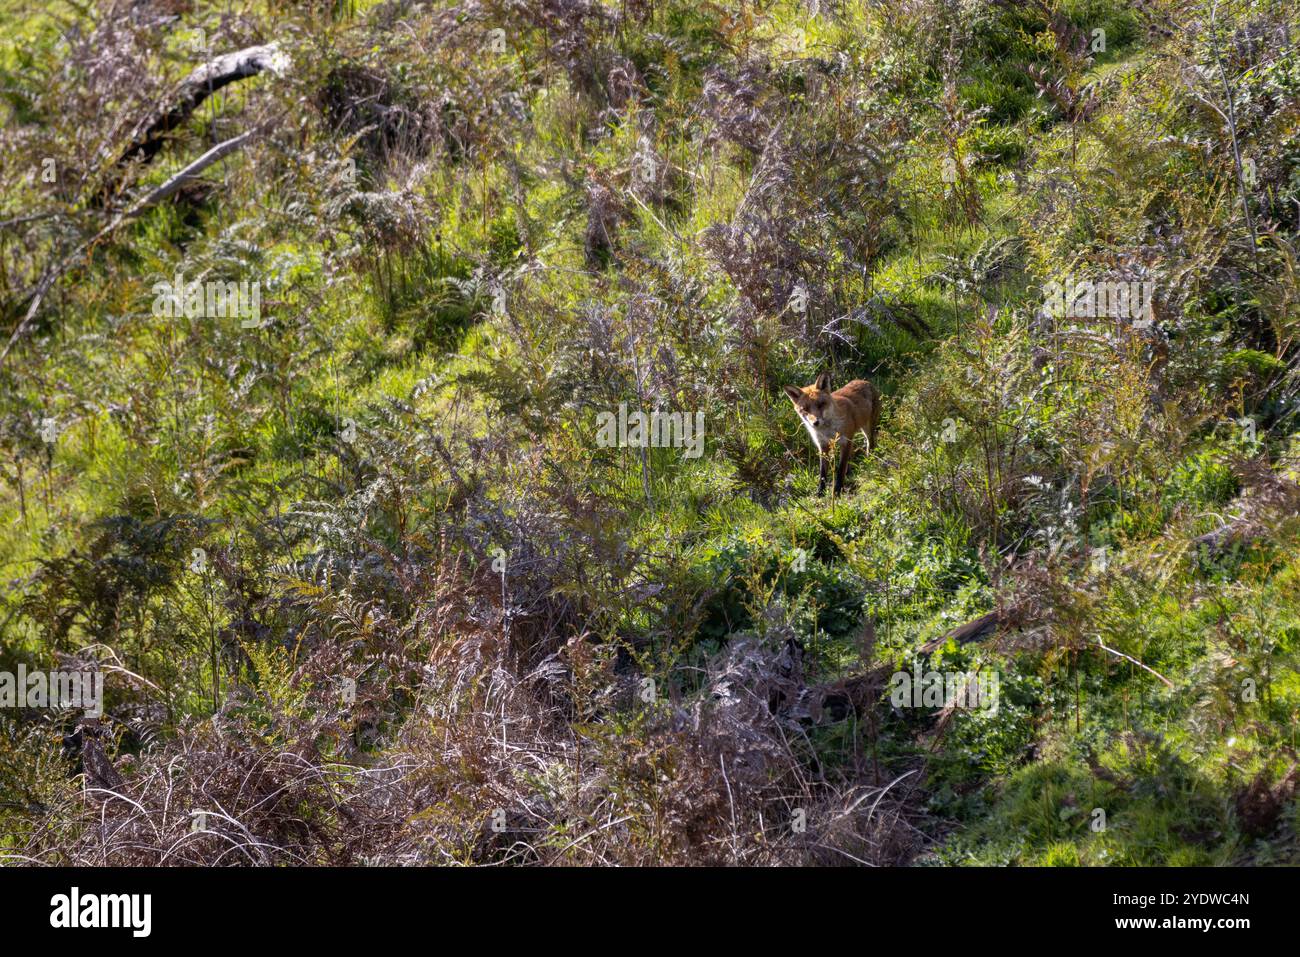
[834, 418]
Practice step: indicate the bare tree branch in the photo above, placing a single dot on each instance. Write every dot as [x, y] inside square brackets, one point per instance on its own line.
[53, 272]
[151, 134]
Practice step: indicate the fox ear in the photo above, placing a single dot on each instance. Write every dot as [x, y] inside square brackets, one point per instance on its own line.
[824, 382]
[794, 393]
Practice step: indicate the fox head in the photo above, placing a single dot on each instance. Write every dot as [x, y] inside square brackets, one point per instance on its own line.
[813, 402]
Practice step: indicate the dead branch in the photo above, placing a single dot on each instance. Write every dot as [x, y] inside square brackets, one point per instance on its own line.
[976, 630]
[151, 134]
[53, 272]
[1121, 654]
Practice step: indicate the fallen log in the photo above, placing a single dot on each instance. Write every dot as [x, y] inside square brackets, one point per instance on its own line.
[976, 630]
[151, 134]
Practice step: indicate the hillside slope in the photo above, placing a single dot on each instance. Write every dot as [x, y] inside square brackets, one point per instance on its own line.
[326, 456]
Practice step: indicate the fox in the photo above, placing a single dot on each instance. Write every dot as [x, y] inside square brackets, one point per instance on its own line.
[833, 419]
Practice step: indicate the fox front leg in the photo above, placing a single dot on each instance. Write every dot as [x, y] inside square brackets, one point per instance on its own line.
[823, 458]
[842, 471]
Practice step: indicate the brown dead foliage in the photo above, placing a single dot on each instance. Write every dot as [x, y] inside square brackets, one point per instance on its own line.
[502, 757]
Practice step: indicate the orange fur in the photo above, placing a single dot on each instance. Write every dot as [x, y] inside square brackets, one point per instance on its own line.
[834, 418]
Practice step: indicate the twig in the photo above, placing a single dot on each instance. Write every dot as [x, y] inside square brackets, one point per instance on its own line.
[1135, 661]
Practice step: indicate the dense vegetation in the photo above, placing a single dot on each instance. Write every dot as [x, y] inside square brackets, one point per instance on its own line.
[364, 585]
